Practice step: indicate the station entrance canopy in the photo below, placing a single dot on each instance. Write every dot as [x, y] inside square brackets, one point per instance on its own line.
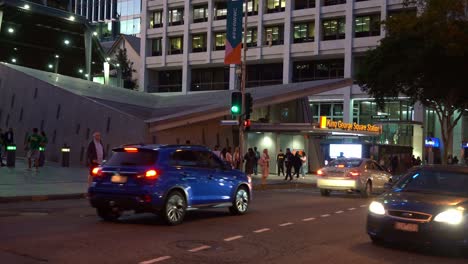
[48, 39]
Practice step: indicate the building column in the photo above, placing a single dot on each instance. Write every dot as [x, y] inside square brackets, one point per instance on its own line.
[143, 78]
[88, 38]
[347, 105]
[209, 33]
[186, 74]
[317, 26]
[260, 31]
[287, 64]
[1, 19]
[349, 31]
[418, 131]
[383, 16]
[233, 77]
[164, 40]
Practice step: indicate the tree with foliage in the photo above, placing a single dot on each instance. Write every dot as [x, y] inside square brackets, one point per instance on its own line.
[424, 57]
[126, 67]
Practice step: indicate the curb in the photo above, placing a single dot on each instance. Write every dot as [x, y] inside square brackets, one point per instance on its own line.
[38, 198]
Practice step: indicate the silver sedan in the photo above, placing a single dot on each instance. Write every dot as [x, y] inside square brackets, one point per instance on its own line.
[352, 175]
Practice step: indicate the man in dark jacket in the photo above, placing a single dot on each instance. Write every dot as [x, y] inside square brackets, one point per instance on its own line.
[95, 153]
[289, 161]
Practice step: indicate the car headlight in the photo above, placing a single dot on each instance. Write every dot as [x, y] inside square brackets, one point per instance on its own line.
[451, 216]
[377, 208]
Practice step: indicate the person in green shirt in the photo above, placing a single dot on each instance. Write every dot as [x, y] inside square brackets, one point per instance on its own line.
[42, 149]
[34, 142]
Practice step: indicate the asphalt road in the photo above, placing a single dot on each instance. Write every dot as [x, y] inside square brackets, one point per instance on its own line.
[282, 226]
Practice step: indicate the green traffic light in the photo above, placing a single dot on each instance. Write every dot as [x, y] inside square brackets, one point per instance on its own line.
[235, 109]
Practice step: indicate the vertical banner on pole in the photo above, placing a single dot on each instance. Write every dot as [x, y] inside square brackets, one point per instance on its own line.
[233, 32]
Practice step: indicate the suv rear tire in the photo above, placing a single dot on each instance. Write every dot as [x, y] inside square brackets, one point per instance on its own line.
[324, 192]
[174, 209]
[107, 214]
[241, 202]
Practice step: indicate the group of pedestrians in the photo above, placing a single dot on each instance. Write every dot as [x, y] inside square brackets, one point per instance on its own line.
[298, 161]
[34, 145]
[254, 159]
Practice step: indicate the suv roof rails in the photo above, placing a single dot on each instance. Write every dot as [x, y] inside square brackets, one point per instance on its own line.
[134, 144]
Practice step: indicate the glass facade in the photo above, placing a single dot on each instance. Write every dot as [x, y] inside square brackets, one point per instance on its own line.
[333, 2]
[170, 81]
[156, 47]
[304, 4]
[264, 74]
[220, 10]
[251, 37]
[304, 32]
[252, 7]
[199, 42]
[176, 16]
[317, 70]
[176, 45]
[366, 26]
[130, 27]
[274, 6]
[128, 7]
[220, 40]
[200, 14]
[333, 28]
[332, 110]
[275, 34]
[210, 79]
[156, 19]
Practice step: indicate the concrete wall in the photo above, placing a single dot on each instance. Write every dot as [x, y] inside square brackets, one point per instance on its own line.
[26, 102]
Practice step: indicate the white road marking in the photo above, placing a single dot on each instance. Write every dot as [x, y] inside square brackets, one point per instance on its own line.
[286, 224]
[339, 212]
[232, 238]
[364, 205]
[155, 260]
[308, 219]
[351, 209]
[262, 230]
[325, 215]
[199, 248]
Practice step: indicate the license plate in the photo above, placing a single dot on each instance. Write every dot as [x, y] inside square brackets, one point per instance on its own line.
[406, 227]
[119, 179]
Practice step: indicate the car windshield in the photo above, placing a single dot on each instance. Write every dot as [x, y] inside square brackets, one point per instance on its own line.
[345, 163]
[140, 158]
[439, 182]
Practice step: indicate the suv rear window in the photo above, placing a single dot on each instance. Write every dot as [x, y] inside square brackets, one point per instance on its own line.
[345, 163]
[140, 158]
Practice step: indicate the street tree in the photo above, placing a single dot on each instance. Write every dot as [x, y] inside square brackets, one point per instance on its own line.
[126, 67]
[424, 56]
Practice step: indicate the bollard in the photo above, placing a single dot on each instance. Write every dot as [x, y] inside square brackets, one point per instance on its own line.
[41, 156]
[11, 155]
[65, 156]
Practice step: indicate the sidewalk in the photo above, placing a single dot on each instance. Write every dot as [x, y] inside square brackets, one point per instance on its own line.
[56, 182]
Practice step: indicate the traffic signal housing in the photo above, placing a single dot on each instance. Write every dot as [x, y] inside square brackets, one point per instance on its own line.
[248, 105]
[236, 103]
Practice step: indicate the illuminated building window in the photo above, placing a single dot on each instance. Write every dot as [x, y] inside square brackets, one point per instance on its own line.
[304, 32]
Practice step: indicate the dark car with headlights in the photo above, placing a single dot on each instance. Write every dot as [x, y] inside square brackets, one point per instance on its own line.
[428, 205]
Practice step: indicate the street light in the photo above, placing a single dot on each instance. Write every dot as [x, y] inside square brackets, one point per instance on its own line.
[57, 56]
[13, 60]
[50, 66]
[71, 18]
[95, 33]
[80, 70]
[67, 42]
[11, 30]
[26, 6]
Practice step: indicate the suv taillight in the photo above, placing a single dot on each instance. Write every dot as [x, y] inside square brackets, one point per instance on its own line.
[354, 174]
[96, 172]
[151, 174]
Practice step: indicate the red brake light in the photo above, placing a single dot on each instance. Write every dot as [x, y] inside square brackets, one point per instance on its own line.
[320, 173]
[131, 149]
[151, 174]
[96, 172]
[354, 174]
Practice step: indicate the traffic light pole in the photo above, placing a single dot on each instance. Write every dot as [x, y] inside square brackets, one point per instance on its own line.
[243, 83]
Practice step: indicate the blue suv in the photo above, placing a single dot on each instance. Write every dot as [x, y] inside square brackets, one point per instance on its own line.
[168, 180]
